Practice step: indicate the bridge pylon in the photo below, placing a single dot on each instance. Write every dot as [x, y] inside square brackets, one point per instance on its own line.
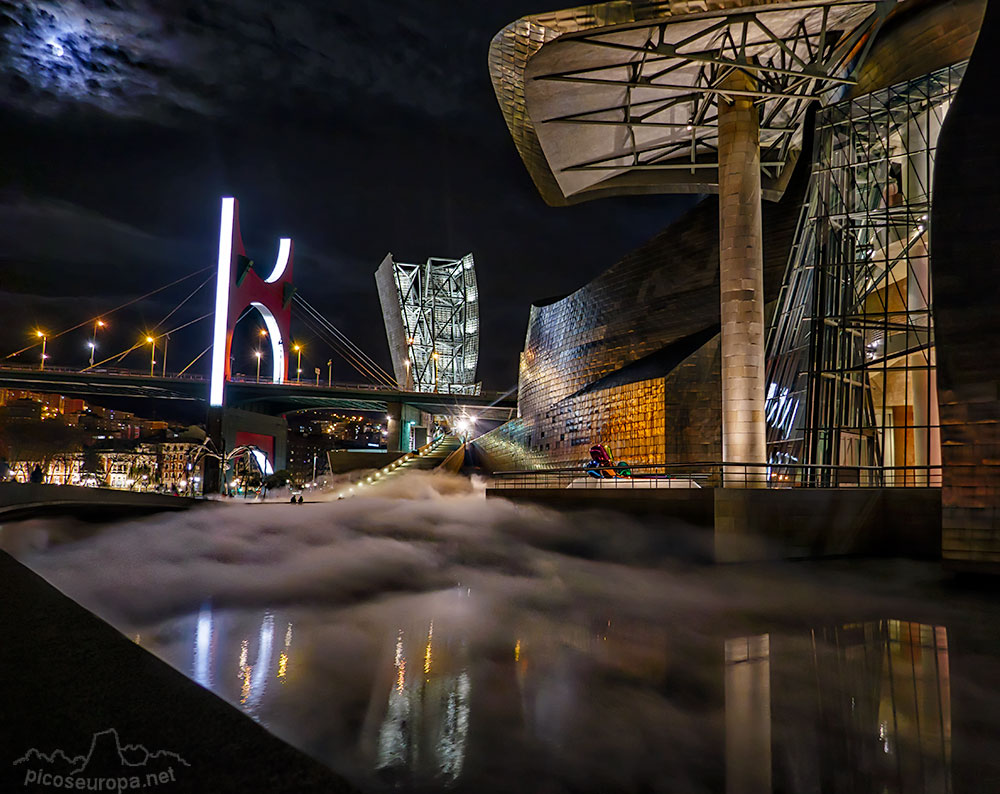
[239, 286]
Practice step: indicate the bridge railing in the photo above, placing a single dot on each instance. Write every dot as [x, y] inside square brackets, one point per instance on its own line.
[236, 378]
[720, 474]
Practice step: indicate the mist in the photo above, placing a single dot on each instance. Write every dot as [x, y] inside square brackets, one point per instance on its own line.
[421, 636]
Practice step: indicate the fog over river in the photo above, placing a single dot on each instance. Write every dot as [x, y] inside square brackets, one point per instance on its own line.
[423, 638]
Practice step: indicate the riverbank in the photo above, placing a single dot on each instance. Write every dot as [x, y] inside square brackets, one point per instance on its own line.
[70, 678]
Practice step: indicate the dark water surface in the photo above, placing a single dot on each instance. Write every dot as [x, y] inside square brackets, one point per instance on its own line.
[453, 643]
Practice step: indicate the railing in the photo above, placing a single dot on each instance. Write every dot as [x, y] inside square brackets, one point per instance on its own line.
[720, 474]
[236, 378]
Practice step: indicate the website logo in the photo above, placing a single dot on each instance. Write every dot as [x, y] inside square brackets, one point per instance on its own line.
[107, 766]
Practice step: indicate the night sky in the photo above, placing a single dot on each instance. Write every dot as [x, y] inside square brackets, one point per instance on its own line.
[355, 129]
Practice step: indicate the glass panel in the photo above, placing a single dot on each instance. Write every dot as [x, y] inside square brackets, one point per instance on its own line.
[851, 344]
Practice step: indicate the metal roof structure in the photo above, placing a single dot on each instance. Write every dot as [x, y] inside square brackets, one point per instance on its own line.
[622, 97]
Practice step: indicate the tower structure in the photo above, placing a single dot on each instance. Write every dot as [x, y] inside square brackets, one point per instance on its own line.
[431, 314]
[238, 287]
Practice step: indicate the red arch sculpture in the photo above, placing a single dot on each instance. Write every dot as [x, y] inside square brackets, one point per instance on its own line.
[238, 287]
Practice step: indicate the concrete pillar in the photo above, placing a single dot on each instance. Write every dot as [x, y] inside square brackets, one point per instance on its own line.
[741, 280]
[394, 411]
[212, 471]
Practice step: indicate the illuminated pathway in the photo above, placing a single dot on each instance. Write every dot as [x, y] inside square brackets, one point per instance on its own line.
[428, 458]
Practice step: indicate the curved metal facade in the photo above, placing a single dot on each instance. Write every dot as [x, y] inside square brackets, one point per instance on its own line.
[631, 359]
[622, 97]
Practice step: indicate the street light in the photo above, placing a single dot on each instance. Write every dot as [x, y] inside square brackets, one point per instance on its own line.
[435, 356]
[329, 372]
[298, 349]
[257, 353]
[152, 353]
[41, 335]
[93, 341]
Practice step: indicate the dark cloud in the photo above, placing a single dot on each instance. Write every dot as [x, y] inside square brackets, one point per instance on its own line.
[356, 129]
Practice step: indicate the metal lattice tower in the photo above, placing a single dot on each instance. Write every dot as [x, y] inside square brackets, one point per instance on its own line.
[431, 313]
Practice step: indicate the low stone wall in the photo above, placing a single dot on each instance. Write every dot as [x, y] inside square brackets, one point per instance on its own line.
[822, 522]
[22, 500]
[771, 524]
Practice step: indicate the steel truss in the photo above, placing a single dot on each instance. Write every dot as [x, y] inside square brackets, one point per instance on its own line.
[796, 53]
[851, 366]
[439, 300]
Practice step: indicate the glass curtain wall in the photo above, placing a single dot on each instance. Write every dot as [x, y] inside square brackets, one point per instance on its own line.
[851, 347]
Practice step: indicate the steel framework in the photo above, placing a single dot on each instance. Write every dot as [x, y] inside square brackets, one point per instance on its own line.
[851, 367]
[438, 306]
[652, 80]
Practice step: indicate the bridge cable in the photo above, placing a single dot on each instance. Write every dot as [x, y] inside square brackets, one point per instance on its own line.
[340, 349]
[178, 306]
[345, 353]
[368, 359]
[120, 356]
[195, 360]
[350, 344]
[112, 311]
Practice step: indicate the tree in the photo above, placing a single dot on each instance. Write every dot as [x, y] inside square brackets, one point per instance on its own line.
[277, 480]
[40, 441]
[93, 466]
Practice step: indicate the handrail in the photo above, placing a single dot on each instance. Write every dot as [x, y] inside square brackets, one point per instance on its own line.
[727, 474]
[119, 372]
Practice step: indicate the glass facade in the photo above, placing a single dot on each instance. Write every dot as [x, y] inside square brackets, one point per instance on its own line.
[434, 339]
[851, 365]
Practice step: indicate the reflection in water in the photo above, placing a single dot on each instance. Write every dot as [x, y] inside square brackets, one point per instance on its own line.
[283, 656]
[424, 723]
[202, 647]
[748, 714]
[861, 707]
[261, 669]
[879, 719]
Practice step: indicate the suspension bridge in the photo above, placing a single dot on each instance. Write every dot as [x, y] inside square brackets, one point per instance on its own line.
[241, 290]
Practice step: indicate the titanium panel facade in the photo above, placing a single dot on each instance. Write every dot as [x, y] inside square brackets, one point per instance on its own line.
[632, 358]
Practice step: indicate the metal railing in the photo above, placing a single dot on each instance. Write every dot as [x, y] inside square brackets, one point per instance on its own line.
[720, 474]
[237, 378]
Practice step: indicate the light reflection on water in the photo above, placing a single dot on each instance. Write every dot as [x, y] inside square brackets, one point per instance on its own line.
[855, 707]
[576, 655]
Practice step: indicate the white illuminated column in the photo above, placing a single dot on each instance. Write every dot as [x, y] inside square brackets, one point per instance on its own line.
[277, 343]
[220, 337]
[222, 301]
[284, 249]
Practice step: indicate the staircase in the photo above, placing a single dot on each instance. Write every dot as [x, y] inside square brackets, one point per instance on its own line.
[427, 458]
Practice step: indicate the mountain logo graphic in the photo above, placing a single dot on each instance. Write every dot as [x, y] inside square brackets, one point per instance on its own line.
[118, 766]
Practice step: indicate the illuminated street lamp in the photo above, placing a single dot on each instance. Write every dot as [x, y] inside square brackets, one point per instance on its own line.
[93, 341]
[329, 372]
[298, 349]
[152, 354]
[41, 335]
[257, 354]
[435, 356]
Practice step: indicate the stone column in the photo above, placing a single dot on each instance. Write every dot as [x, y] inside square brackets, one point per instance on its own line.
[741, 279]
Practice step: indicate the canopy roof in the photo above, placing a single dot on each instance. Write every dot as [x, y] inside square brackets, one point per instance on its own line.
[622, 97]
